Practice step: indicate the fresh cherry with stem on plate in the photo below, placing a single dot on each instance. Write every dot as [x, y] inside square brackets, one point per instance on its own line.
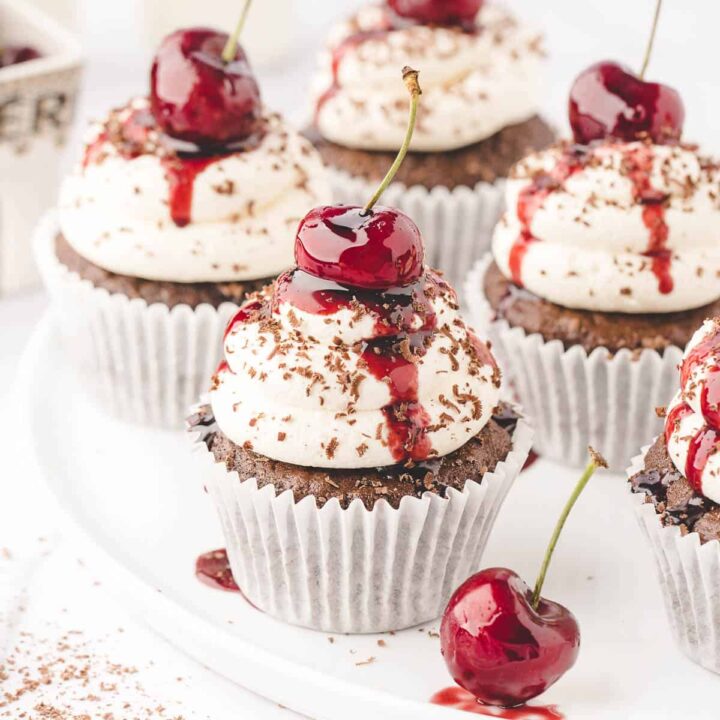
[372, 247]
[503, 642]
[609, 100]
[202, 89]
[438, 12]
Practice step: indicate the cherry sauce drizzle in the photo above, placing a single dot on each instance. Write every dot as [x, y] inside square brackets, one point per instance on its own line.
[213, 569]
[706, 440]
[390, 354]
[460, 699]
[389, 23]
[181, 169]
[530, 200]
[639, 161]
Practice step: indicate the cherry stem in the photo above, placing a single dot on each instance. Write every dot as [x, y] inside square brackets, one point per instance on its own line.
[228, 53]
[596, 461]
[410, 77]
[648, 49]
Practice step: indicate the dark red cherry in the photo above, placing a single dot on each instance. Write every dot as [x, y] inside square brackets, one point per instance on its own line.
[438, 12]
[498, 647]
[198, 97]
[14, 54]
[609, 100]
[374, 249]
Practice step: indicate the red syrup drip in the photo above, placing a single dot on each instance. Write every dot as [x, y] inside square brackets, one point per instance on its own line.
[702, 446]
[532, 458]
[395, 311]
[640, 162]
[248, 311]
[213, 569]
[181, 170]
[180, 173]
[674, 417]
[352, 41]
[460, 699]
[708, 346]
[531, 199]
[389, 23]
[706, 440]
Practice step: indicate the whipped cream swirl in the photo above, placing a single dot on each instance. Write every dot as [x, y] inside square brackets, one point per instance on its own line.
[474, 82]
[614, 227]
[692, 424]
[136, 208]
[320, 375]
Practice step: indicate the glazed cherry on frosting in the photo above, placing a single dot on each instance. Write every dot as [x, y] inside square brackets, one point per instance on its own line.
[202, 89]
[371, 247]
[438, 12]
[374, 249]
[503, 642]
[609, 100]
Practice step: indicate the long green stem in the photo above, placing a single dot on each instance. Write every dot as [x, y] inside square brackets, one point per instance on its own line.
[228, 53]
[410, 77]
[648, 49]
[596, 461]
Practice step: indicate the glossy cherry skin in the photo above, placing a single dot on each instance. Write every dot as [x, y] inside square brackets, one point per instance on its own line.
[196, 96]
[438, 12]
[14, 54]
[379, 249]
[498, 647]
[608, 100]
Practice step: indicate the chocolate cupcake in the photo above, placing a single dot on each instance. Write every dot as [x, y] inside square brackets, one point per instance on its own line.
[353, 441]
[602, 267]
[675, 485]
[482, 75]
[168, 223]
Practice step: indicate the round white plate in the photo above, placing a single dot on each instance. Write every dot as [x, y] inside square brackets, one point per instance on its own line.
[140, 518]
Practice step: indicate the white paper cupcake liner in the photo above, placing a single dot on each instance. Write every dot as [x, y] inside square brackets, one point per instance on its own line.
[355, 570]
[575, 399]
[689, 574]
[456, 224]
[144, 363]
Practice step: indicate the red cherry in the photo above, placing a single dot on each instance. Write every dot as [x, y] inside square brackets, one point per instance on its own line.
[198, 97]
[504, 643]
[375, 249]
[14, 54]
[438, 12]
[498, 647]
[608, 100]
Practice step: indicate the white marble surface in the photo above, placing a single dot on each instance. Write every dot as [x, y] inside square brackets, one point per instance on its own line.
[63, 596]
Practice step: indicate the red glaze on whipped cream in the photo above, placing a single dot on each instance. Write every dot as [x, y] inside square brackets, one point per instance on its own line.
[692, 423]
[477, 79]
[327, 369]
[139, 206]
[614, 226]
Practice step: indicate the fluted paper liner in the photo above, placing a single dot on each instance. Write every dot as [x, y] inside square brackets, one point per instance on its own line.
[456, 224]
[575, 398]
[146, 363]
[689, 574]
[355, 570]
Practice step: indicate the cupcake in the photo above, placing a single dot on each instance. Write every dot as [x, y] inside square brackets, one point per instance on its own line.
[605, 262]
[675, 484]
[482, 72]
[353, 441]
[184, 202]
